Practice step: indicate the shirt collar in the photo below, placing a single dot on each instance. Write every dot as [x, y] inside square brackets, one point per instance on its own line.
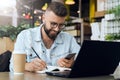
[38, 33]
[59, 39]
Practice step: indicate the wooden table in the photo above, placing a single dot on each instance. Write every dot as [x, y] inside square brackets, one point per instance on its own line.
[37, 76]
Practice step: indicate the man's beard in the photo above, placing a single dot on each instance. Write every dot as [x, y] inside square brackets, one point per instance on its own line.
[53, 37]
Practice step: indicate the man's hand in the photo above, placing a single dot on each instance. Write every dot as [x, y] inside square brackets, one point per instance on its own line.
[65, 62]
[36, 65]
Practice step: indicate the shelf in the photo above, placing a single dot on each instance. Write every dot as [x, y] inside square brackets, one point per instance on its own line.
[99, 14]
[118, 19]
[73, 32]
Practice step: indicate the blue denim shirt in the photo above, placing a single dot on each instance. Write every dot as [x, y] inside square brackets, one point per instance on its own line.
[63, 45]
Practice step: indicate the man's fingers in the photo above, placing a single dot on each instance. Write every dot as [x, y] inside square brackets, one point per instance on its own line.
[38, 64]
[65, 62]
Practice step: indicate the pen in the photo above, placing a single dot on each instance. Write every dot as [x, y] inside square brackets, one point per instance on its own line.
[36, 54]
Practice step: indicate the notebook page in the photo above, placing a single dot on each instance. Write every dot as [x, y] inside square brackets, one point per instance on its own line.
[51, 68]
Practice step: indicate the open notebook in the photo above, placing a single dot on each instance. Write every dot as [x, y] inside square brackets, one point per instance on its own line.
[54, 68]
[95, 58]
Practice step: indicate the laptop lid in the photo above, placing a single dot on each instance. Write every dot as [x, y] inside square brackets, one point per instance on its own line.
[95, 58]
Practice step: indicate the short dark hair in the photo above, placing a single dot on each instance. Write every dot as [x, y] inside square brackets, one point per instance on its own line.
[58, 8]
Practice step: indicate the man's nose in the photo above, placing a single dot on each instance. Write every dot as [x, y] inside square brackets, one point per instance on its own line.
[57, 28]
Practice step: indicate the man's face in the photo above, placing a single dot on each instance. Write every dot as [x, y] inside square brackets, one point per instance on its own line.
[53, 24]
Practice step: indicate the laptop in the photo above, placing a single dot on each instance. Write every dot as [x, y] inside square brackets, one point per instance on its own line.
[95, 58]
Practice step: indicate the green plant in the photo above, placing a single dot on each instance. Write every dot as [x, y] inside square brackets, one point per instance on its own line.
[115, 10]
[11, 31]
[110, 11]
[113, 36]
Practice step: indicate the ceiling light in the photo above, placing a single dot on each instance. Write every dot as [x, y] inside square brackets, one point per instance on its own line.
[78, 11]
[35, 12]
[45, 6]
[69, 2]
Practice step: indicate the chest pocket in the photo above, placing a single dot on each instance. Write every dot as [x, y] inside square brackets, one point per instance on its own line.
[62, 55]
[32, 56]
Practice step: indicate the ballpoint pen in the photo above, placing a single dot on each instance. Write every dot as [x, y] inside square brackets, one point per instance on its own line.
[36, 54]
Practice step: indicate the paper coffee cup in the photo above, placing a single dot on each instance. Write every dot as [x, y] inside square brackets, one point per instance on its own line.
[19, 60]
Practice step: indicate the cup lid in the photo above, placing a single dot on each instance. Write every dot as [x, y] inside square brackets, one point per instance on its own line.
[19, 52]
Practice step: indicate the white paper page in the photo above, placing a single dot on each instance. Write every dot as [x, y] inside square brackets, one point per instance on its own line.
[51, 68]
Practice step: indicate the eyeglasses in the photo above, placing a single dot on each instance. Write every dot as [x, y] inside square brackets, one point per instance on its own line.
[54, 25]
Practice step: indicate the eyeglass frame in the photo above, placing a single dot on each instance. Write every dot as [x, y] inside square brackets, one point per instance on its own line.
[60, 26]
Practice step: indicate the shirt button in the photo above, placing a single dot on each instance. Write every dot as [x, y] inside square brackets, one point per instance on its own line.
[52, 55]
[30, 54]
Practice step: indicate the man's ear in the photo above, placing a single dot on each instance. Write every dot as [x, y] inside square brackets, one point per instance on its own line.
[43, 18]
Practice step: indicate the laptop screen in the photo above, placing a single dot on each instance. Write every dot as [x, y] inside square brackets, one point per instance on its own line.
[96, 58]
